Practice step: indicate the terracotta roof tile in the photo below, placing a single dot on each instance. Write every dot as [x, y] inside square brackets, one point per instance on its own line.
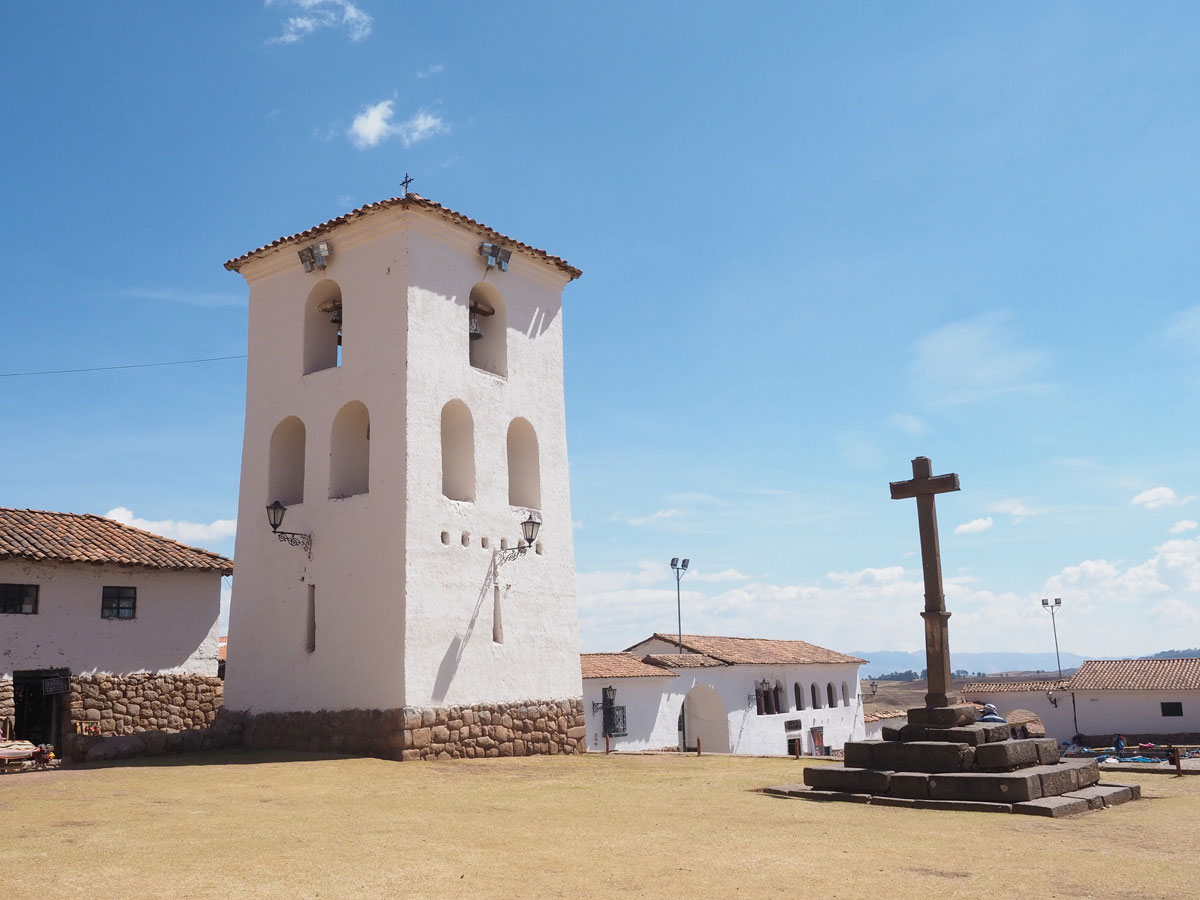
[682, 660]
[222, 646]
[412, 201]
[758, 651]
[1137, 675]
[73, 537]
[618, 665]
[1013, 687]
[884, 714]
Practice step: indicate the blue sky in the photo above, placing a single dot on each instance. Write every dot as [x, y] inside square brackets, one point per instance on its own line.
[817, 241]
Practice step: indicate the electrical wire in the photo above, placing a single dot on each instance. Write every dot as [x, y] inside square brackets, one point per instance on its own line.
[177, 362]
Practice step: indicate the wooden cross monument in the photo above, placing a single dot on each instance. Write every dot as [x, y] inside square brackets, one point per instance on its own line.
[923, 486]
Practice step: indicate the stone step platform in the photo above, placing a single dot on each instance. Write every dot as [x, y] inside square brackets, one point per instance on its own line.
[951, 756]
[1096, 796]
[1029, 783]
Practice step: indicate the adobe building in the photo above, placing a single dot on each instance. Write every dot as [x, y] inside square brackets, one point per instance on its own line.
[405, 416]
[749, 696]
[104, 628]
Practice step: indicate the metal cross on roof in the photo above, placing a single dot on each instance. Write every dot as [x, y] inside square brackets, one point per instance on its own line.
[405, 183]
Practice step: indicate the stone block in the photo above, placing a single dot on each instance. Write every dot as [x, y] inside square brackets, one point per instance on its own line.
[1049, 751]
[422, 737]
[910, 785]
[988, 787]
[440, 734]
[891, 732]
[976, 734]
[934, 756]
[886, 755]
[894, 801]
[1054, 807]
[835, 795]
[1068, 774]
[840, 778]
[786, 790]
[1006, 755]
[964, 805]
[1135, 790]
[859, 754]
[942, 716]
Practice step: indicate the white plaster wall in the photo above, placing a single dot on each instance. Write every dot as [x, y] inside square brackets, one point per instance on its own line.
[749, 733]
[1059, 721]
[402, 619]
[651, 712]
[451, 657]
[357, 565]
[1104, 712]
[174, 629]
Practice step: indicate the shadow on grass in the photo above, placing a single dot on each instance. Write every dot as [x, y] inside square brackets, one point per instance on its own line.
[214, 758]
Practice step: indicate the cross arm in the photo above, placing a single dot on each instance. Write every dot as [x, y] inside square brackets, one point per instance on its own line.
[937, 484]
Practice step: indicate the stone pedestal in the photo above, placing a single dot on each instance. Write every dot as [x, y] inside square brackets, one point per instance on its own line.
[944, 759]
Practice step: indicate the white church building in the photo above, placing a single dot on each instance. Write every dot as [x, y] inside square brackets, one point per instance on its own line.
[405, 422]
[748, 696]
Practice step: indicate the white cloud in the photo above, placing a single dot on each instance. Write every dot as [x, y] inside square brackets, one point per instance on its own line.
[1185, 326]
[725, 575]
[188, 532]
[1183, 525]
[1016, 508]
[430, 71]
[315, 15]
[912, 424]
[655, 516]
[374, 125]
[974, 526]
[973, 360]
[1159, 497]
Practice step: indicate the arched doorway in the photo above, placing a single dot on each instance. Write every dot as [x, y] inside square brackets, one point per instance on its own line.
[704, 717]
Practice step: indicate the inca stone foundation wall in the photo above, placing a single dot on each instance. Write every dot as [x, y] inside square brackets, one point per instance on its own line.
[127, 704]
[8, 705]
[482, 730]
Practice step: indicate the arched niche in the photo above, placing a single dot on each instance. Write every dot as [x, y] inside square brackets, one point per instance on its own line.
[489, 352]
[799, 692]
[816, 696]
[830, 694]
[350, 451]
[524, 473]
[845, 695]
[285, 463]
[458, 451]
[323, 327]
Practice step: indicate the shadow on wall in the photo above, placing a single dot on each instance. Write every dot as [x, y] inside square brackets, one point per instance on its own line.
[454, 652]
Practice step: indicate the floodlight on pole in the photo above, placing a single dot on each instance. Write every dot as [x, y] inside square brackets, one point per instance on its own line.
[679, 568]
[1053, 608]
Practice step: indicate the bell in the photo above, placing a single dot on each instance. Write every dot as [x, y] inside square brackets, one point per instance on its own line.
[476, 334]
[336, 318]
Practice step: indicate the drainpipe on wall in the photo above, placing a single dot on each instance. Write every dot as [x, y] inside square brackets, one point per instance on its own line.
[1074, 713]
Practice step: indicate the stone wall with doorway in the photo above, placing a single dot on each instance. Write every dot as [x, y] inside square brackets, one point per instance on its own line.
[523, 728]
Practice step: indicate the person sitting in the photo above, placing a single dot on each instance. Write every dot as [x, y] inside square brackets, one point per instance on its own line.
[992, 715]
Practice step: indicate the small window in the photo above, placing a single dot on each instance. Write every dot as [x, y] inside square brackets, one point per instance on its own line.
[119, 603]
[829, 693]
[19, 598]
[816, 697]
[1172, 709]
[845, 695]
[310, 625]
[799, 692]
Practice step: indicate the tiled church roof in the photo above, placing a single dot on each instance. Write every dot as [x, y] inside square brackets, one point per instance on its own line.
[618, 665]
[1013, 687]
[757, 651]
[1137, 675]
[415, 201]
[72, 537]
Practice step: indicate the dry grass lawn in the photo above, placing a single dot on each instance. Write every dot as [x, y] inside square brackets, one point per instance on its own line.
[263, 825]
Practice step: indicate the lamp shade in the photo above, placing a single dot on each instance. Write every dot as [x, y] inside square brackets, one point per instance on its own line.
[610, 694]
[529, 529]
[765, 685]
[275, 514]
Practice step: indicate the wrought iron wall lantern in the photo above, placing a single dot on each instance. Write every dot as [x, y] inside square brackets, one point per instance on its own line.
[874, 687]
[529, 532]
[610, 697]
[275, 513]
[1053, 700]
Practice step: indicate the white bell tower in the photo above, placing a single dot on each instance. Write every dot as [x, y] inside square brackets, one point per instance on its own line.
[405, 411]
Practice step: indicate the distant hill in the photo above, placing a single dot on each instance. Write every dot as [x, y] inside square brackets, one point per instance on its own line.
[884, 661]
[1177, 654]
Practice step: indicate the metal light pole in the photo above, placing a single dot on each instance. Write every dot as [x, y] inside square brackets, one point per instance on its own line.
[1054, 608]
[679, 568]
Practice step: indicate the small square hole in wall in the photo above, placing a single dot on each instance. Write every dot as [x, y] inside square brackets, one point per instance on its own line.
[445, 537]
[484, 542]
[466, 539]
[537, 548]
[503, 543]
